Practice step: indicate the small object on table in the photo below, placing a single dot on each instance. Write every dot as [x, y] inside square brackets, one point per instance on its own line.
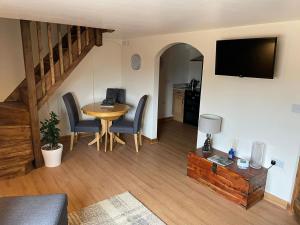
[231, 154]
[242, 164]
[108, 102]
[209, 124]
[220, 160]
[257, 154]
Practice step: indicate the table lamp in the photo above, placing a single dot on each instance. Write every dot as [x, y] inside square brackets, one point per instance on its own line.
[209, 124]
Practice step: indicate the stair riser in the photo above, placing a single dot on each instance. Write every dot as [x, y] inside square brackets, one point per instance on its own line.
[15, 170]
[14, 117]
[16, 152]
[15, 133]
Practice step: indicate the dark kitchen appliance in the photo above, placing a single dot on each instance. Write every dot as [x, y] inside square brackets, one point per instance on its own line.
[254, 57]
[193, 84]
[191, 107]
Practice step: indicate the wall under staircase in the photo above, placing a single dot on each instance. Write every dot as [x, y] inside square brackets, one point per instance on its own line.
[19, 122]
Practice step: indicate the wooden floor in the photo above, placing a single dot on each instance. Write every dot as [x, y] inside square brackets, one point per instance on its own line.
[156, 176]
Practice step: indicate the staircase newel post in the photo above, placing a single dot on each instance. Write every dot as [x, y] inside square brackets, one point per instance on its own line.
[31, 88]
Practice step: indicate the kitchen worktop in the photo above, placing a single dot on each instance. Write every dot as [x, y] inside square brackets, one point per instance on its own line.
[184, 87]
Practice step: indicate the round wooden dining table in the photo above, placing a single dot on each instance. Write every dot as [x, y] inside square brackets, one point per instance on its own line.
[106, 114]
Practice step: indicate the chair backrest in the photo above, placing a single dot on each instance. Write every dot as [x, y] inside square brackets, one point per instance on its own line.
[117, 94]
[139, 114]
[71, 109]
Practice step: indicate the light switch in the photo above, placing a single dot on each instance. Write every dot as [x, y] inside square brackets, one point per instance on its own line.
[296, 108]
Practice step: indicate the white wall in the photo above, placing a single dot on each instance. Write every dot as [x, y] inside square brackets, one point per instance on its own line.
[100, 69]
[175, 68]
[253, 109]
[12, 70]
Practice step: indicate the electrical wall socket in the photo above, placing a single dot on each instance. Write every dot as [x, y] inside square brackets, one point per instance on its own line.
[279, 163]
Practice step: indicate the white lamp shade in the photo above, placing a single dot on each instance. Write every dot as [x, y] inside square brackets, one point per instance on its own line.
[210, 124]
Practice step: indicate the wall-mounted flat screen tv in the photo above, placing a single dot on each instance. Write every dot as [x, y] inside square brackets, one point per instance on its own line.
[253, 57]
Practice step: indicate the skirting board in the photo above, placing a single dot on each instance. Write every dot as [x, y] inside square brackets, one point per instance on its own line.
[152, 141]
[165, 119]
[275, 200]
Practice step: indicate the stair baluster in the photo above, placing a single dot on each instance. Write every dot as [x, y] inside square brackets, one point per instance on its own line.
[87, 36]
[70, 45]
[78, 40]
[49, 29]
[60, 50]
[41, 59]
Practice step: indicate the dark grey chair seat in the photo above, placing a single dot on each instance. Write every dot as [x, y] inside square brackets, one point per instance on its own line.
[34, 210]
[87, 126]
[122, 126]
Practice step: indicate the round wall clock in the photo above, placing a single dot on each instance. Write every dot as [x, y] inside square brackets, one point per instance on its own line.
[136, 62]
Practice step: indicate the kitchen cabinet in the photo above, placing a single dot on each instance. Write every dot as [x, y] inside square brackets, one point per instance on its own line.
[178, 104]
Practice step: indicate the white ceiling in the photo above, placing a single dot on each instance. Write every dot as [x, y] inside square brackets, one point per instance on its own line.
[133, 18]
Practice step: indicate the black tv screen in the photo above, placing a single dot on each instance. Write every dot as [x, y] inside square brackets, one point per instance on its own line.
[253, 57]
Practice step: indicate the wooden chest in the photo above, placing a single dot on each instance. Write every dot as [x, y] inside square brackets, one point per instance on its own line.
[244, 187]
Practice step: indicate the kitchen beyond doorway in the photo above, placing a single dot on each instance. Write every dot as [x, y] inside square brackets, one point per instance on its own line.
[180, 76]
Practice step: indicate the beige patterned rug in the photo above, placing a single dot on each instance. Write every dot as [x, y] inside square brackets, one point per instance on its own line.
[123, 209]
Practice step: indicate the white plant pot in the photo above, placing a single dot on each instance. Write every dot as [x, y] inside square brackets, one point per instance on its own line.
[52, 158]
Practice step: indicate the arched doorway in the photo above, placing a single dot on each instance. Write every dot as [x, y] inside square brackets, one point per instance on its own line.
[178, 100]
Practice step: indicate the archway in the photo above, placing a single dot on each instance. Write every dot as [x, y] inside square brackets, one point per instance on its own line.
[183, 60]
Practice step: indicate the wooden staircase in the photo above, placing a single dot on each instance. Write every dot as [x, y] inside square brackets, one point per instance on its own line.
[19, 121]
[15, 140]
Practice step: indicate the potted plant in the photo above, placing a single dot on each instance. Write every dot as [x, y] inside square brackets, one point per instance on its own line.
[51, 150]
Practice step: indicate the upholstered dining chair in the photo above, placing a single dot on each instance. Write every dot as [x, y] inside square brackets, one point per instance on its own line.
[125, 126]
[77, 125]
[117, 94]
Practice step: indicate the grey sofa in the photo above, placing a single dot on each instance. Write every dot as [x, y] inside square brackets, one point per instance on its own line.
[34, 210]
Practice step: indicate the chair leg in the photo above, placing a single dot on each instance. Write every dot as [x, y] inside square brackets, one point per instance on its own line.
[72, 141]
[105, 141]
[136, 142]
[98, 139]
[140, 138]
[76, 137]
[111, 141]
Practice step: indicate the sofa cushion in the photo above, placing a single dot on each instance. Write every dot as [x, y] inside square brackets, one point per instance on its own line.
[34, 210]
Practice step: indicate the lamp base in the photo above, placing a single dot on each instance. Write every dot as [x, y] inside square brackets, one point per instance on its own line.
[207, 144]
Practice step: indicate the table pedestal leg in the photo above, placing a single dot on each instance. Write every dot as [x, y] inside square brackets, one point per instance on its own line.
[104, 124]
[119, 140]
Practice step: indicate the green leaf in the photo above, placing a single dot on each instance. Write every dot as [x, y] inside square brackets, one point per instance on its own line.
[50, 133]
